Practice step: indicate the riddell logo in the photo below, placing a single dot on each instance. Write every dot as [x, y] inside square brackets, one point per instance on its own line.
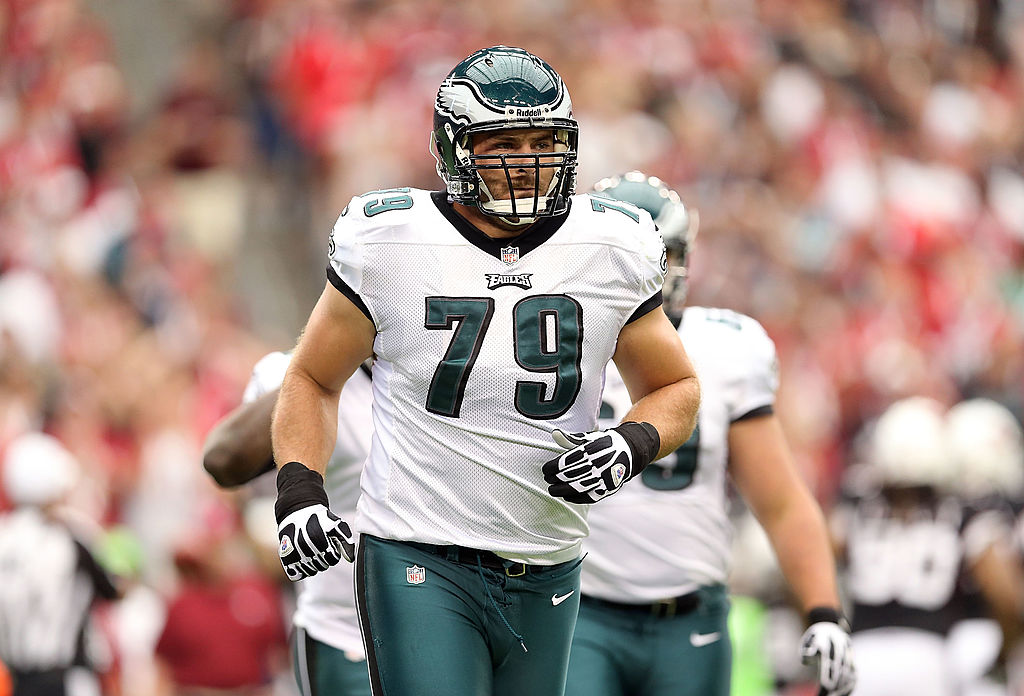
[528, 112]
[497, 280]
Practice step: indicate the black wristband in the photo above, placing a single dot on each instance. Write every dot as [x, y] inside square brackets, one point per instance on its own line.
[297, 487]
[644, 442]
[828, 614]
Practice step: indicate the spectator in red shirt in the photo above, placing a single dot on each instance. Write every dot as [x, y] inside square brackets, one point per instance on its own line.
[225, 628]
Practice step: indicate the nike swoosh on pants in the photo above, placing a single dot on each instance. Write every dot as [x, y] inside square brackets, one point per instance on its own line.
[699, 640]
[556, 600]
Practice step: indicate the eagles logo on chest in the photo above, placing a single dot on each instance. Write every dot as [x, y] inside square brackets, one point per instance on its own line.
[497, 280]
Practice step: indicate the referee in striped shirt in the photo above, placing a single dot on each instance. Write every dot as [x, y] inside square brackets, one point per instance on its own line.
[48, 580]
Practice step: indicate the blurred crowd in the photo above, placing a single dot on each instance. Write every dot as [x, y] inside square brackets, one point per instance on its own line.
[857, 166]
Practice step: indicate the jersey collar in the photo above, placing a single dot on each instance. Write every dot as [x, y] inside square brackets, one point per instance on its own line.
[537, 234]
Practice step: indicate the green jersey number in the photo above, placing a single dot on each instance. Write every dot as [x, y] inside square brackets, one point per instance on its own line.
[470, 317]
[674, 472]
[547, 334]
[384, 202]
[600, 205]
[548, 337]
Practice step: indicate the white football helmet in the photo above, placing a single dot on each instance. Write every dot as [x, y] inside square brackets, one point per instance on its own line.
[908, 447]
[986, 443]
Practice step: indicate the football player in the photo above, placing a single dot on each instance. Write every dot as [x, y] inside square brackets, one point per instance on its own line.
[327, 649]
[490, 310]
[909, 544]
[986, 444]
[654, 608]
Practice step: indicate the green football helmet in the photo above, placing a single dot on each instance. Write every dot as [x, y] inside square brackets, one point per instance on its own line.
[500, 88]
[677, 223]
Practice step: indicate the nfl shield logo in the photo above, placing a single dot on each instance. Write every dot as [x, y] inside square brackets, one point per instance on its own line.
[415, 575]
[618, 473]
[510, 254]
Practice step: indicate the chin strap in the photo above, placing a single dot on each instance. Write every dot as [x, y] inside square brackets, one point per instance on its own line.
[503, 208]
[518, 222]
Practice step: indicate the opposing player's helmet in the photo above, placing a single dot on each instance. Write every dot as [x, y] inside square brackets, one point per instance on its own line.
[677, 223]
[908, 445]
[987, 446]
[499, 88]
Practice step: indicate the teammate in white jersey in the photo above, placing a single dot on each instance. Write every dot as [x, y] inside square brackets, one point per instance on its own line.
[326, 646]
[491, 310]
[653, 617]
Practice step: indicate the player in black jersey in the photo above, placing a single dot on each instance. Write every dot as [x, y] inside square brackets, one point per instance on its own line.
[986, 444]
[908, 545]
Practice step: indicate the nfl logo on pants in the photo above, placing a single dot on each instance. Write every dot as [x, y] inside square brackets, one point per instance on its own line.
[415, 575]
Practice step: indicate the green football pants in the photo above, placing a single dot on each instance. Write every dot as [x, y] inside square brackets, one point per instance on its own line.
[631, 652]
[435, 623]
[322, 670]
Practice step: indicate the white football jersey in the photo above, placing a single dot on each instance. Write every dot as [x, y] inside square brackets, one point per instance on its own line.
[483, 347]
[326, 602]
[667, 532]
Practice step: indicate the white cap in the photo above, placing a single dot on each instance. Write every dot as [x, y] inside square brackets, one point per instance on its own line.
[38, 470]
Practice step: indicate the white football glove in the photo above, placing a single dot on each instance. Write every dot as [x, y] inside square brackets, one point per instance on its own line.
[828, 644]
[599, 462]
[313, 539]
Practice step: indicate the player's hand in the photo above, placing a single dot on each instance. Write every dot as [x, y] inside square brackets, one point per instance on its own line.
[597, 463]
[827, 644]
[313, 539]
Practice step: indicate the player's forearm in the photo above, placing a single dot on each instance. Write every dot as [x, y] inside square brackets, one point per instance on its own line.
[999, 576]
[238, 448]
[798, 534]
[672, 410]
[305, 422]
